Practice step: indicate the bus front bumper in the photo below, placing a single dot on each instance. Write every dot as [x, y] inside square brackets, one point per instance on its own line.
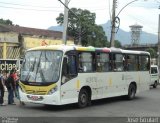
[40, 99]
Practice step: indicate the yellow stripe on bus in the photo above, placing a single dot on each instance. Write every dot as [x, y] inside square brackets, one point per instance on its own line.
[78, 84]
[110, 81]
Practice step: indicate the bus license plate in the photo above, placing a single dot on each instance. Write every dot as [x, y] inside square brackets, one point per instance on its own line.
[34, 98]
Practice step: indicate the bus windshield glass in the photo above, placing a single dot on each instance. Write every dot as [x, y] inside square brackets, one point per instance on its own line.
[41, 66]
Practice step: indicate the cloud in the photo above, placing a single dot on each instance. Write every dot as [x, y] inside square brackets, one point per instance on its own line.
[144, 13]
[148, 18]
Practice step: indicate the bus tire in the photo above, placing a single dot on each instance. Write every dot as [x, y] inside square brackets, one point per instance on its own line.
[155, 84]
[131, 91]
[83, 98]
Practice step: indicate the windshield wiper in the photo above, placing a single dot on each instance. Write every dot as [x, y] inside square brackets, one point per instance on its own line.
[38, 65]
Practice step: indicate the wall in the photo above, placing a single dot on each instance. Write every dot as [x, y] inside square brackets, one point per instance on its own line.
[8, 37]
[10, 47]
[31, 42]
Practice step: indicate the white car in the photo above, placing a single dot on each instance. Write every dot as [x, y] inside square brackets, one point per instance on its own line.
[154, 76]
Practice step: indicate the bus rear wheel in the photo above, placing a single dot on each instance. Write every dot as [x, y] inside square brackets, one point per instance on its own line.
[83, 98]
[131, 91]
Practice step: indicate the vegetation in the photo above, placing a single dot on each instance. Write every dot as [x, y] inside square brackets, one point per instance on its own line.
[117, 44]
[6, 22]
[81, 25]
[152, 52]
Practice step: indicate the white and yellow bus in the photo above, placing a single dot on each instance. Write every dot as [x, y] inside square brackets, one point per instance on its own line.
[60, 74]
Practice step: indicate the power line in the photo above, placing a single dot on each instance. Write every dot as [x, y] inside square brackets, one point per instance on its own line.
[15, 4]
[98, 9]
[26, 5]
[29, 9]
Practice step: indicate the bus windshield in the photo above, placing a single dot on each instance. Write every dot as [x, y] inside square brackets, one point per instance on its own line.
[41, 66]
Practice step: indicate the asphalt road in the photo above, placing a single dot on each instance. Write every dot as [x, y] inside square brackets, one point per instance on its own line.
[146, 104]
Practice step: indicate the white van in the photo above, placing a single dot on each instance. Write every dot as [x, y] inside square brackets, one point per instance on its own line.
[154, 76]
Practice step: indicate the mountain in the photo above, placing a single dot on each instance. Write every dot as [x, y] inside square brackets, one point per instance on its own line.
[122, 36]
[56, 28]
[125, 37]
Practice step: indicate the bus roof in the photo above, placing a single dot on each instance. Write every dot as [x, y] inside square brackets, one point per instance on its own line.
[135, 52]
[70, 47]
[89, 48]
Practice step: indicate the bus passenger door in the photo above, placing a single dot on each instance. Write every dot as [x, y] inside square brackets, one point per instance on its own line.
[69, 78]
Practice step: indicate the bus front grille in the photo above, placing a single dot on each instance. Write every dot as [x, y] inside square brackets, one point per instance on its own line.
[36, 92]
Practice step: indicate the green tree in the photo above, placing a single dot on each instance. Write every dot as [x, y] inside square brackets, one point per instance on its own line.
[6, 22]
[117, 44]
[82, 24]
[152, 52]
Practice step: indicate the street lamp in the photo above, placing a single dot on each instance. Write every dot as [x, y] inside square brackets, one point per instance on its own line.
[126, 6]
[115, 19]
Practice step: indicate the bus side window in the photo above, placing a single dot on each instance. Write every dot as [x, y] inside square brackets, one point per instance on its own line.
[85, 63]
[103, 62]
[112, 62]
[98, 64]
[144, 62]
[117, 62]
[131, 62]
[128, 63]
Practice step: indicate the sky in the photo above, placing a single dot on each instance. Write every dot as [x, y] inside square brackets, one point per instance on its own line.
[43, 13]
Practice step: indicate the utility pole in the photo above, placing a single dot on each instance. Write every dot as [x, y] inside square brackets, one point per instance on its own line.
[65, 22]
[79, 35]
[159, 43]
[114, 17]
[66, 9]
[113, 24]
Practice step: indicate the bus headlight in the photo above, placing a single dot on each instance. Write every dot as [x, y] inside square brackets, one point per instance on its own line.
[53, 90]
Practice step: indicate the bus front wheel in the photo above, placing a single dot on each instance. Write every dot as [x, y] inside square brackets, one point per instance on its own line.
[83, 98]
[131, 91]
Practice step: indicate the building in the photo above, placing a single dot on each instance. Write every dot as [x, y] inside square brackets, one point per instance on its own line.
[14, 40]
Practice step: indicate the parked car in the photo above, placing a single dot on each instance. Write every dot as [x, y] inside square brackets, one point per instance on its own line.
[154, 76]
